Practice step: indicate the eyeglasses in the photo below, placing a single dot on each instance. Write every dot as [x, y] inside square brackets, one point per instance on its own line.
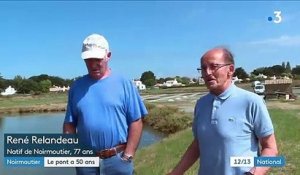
[211, 67]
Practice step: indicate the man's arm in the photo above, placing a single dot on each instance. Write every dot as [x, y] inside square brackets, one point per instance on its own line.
[134, 135]
[69, 128]
[268, 148]
[188, 159]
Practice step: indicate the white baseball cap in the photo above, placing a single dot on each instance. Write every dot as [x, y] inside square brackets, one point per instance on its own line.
[94, 46]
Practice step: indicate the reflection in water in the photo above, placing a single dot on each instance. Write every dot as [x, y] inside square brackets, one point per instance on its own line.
[47, 123]
[1, 121]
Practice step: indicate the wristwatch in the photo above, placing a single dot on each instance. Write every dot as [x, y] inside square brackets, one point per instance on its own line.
[248, 173]
[127, 157]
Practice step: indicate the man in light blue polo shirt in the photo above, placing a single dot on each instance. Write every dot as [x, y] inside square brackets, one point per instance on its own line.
[228, 122]
[105, 110]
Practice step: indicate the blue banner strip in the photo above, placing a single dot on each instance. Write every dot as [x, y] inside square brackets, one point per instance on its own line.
[278, 161]
[24, 161]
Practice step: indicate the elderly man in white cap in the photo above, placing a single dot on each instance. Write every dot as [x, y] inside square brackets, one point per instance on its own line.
[106, 111]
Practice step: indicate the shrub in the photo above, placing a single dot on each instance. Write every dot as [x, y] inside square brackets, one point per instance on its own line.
[167, 119]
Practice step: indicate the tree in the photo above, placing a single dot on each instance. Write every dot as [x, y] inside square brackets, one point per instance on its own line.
[278, 70]
[68, 82]
[178, 79]
[283, 64]
[268, 71]
[288, 68]
[17, 82]
[45, 85]
[161, 80]
[169, 78]
[28, 86]
[55, 80]
[39, 78]
[148, 78]
[2, 83]
[149, 82]
[240, 73]
[257, 71]
[185, 80]
[296, 70]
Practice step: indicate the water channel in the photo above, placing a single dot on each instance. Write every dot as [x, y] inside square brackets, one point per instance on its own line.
[47, 123]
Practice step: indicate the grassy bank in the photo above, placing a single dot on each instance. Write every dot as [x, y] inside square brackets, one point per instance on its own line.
[161, 157]
[33, 103]
[31, 100]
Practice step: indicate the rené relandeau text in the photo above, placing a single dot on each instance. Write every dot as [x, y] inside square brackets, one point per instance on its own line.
[41, 140]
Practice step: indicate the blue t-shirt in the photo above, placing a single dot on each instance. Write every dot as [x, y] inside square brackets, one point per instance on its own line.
[102, 110]
[229, 125]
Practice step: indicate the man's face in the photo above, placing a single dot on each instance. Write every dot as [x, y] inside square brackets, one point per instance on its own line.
[96, 67]
[216, 72]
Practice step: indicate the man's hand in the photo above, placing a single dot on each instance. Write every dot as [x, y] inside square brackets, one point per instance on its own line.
[69, 128]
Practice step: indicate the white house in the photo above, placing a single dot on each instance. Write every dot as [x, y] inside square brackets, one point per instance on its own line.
[262, 76]
[236, 79]
[171, 83]
[191, 81]
[273, 78]
[9, 91]
[201, 81]
[139, 84]
[59, 89]
[286, 78]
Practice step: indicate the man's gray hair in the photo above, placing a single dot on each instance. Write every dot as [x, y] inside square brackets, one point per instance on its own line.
[228, 56]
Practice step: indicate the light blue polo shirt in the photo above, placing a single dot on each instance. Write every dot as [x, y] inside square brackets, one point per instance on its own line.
[229, 125]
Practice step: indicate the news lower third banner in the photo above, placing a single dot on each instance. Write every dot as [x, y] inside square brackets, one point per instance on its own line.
[263, 161]
[47, 150]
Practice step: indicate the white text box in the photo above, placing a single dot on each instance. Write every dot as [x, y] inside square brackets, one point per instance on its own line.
[71, 161]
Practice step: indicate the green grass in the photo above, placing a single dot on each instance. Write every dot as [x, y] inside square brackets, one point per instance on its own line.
[161, 157]
[287, 130]
[32, 100]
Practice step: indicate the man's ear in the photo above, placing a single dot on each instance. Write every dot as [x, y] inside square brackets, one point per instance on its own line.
[231, 70]
[108, 56]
